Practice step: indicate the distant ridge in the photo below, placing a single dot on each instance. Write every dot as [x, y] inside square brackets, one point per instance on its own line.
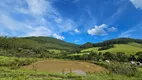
[112, 41]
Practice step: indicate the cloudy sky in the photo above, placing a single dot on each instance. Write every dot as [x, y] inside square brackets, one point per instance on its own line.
[76, 21]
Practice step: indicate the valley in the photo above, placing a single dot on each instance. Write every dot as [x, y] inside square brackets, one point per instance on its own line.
[45, 58]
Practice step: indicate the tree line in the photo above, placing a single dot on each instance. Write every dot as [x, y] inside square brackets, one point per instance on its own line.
[98, 56]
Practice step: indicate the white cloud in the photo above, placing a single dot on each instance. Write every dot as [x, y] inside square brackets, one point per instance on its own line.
[76, 31]
[66, 26]
[76, 41]
[116, 15]
[39, 31]
[37, 6]
[40, 18]
[132, 32]
[15, 27]
[7, 21]
[75, 1]
[58, 36]
[45, 8]
[112, 29]
[41, 7]
[126, 33]
[137, 3]
[58, 20]
[11, 27]
[98, 30]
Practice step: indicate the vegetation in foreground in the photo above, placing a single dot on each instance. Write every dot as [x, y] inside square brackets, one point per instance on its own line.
[7, 74]
[17, 73]
[11, 68]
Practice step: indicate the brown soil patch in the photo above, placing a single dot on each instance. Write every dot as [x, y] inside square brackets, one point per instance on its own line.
[64, 65]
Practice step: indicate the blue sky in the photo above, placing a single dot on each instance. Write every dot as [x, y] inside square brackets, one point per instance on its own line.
[76, 21]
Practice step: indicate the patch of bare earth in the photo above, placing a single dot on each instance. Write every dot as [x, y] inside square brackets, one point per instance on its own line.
[64, 66]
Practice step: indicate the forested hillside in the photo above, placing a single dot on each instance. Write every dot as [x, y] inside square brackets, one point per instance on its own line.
[33, 46]
[53, 43]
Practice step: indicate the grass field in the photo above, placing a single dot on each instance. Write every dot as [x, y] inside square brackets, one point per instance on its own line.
[111, 76]
[16, 62]
[54, 50]
[83, 53]
[130, 48]
[135, 44]
[8, 74]
[23, 74]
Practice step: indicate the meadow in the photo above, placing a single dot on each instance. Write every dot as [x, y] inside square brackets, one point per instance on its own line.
[130, 48]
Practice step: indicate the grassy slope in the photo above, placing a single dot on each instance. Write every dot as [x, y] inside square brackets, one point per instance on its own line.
[56, 51]
[130, 48]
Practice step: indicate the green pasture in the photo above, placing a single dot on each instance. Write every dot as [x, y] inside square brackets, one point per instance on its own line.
[126, 48]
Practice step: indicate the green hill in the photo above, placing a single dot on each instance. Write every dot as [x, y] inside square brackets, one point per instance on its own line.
[53, 43]
[34, 46]
[130, 48]
[127, 45]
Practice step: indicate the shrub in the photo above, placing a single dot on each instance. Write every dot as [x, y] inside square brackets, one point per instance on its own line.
[121, 68]
[139, 53]
[122, 57]
[139, 56]
[105, 47]
[109, 56]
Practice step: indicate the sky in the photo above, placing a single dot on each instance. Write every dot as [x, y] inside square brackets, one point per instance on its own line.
[75, 21]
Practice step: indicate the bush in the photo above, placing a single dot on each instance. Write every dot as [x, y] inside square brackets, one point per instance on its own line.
[139, 56]
[122, 57]
[95, 56]
[121, 68]
[105, 47]
[109, 56]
